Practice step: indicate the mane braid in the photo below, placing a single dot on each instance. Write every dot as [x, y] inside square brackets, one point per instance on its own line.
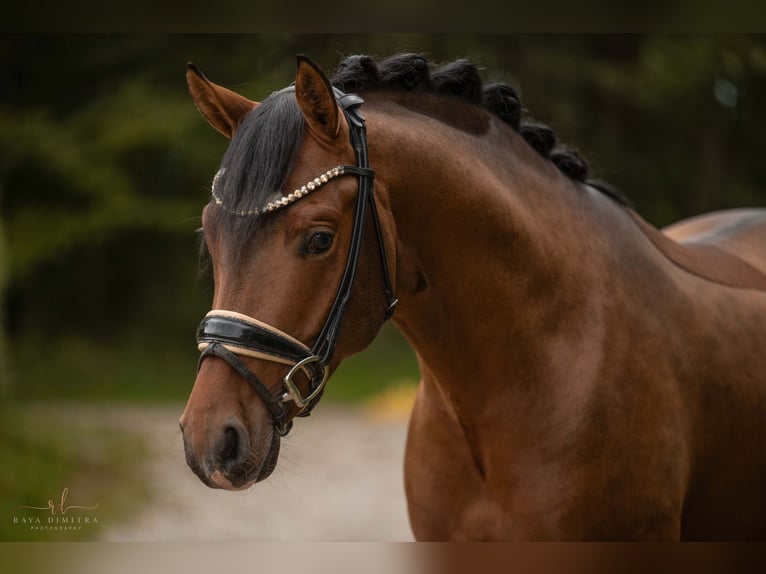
[409, 72]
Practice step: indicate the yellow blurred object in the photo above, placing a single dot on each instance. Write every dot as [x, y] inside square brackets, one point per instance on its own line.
[393, 403]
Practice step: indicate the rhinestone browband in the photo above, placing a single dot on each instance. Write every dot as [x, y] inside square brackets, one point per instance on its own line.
[286, 200]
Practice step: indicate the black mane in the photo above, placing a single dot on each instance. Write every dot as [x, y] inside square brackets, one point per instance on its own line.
[412, 73]
[262, 152]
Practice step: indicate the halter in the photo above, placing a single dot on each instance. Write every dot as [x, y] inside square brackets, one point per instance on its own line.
[229, 335]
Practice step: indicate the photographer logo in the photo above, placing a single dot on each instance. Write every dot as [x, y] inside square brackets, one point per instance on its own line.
[56, 516]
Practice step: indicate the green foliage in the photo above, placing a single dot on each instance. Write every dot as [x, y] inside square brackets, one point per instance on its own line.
[5, 370]
[88, 177]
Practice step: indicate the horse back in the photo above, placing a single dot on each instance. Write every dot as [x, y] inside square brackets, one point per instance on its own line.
[727, 247]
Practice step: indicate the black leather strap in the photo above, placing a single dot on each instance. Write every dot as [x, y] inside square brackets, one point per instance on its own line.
[233, 331]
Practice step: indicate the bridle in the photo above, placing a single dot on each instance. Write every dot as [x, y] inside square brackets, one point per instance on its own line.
[229, 335]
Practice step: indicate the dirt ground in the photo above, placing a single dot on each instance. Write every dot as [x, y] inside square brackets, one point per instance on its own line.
[339, 477]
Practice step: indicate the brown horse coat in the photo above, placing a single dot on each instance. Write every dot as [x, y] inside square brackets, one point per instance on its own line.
[583, 375]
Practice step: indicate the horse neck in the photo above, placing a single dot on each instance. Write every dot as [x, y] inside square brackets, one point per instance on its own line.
[503, 261]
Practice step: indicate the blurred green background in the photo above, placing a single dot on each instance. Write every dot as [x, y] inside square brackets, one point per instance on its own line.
[105, 165]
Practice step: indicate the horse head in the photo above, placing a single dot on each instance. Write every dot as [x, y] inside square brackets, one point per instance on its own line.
[297, 243]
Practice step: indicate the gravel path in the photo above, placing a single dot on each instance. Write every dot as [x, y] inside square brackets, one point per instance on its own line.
[339, 477]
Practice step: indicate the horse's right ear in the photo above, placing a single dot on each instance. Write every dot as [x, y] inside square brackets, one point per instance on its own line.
[222, 108]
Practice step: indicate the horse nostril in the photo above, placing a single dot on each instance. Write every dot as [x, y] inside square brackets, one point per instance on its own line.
[230, 450]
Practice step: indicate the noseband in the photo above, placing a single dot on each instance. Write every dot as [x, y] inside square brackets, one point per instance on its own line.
[229, 335]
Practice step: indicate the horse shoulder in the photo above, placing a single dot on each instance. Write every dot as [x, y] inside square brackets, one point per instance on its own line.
[446, 494]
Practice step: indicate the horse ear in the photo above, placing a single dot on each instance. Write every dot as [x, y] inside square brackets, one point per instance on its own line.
[222, 108]
[316, 99]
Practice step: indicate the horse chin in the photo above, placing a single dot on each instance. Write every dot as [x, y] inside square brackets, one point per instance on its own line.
[270, 462]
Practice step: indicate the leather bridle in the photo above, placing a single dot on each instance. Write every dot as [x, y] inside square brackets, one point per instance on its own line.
[229, 335]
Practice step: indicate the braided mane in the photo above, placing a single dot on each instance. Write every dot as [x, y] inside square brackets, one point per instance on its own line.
[413, 73]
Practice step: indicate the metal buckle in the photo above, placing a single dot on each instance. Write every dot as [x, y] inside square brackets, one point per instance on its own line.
[293, 393]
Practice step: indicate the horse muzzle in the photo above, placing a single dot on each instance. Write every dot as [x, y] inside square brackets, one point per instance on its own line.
[232, 459]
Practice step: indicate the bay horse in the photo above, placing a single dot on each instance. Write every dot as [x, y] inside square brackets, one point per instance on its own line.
[585, 376]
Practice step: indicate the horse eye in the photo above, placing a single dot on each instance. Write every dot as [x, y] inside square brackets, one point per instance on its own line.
[319, 243]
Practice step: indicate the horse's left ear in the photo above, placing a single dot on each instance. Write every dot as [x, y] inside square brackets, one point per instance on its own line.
[316, 99]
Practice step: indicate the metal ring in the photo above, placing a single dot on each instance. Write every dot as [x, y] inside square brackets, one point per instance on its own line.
[293, 393]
